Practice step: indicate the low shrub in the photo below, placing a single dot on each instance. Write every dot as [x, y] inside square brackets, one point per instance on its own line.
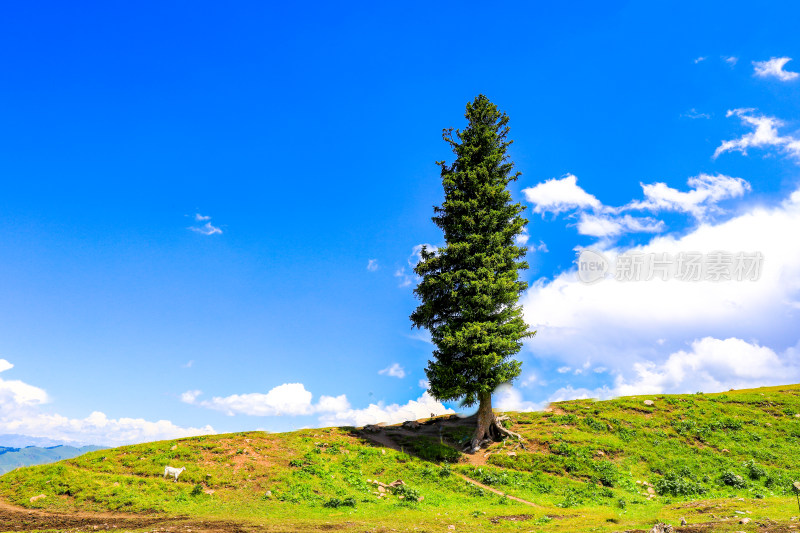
[334, 503]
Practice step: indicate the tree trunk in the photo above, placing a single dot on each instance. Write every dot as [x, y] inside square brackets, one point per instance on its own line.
[488, 427]
[485, 422]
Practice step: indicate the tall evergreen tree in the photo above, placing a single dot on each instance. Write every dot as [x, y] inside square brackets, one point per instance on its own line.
[470, 287]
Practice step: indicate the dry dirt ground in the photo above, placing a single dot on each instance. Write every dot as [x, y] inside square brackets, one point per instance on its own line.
[14, 518]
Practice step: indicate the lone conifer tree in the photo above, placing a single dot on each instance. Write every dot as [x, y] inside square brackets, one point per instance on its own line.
[470, 287]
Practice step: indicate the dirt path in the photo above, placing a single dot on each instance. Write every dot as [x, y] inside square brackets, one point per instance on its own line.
[13, 518]
[487, 487]
[384, 439]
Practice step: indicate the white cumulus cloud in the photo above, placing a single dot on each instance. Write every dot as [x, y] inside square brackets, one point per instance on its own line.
[773, 68]
[611, 226]
[206, 229]
[704, 193]
[507, 398]
[287, 399]
[22, 412]
[422, 407]
[559, 195]
[711, 365]
[15, 394]
[765, 134]
[617, 324]
[395, 370]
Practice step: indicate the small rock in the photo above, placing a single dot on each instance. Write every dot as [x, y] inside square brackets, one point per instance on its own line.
[372, 428]
[649, 403]
[211, 491]
[396, 483]
[39, 497]
[174, 447]
[381, 489]
[797, 415]
[601, 453]
[511, 454]
[725, 450]
[267, 494]
[796, 486]
[651, 490]
[451, 527]
[768, 425]
[745, 520]
[662, 528]
[683, 521]
[411, 424]
[420, 498]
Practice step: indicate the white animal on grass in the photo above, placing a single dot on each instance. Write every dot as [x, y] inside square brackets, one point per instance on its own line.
[174, 472]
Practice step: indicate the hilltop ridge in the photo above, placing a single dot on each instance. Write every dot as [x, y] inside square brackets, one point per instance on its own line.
[622, 464]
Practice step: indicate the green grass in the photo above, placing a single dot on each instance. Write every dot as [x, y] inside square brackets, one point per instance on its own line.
[587, 465]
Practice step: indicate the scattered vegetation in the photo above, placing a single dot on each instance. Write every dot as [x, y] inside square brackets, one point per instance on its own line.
[618, 462]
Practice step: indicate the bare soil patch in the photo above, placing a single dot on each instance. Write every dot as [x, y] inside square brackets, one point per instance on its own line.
[13, 518]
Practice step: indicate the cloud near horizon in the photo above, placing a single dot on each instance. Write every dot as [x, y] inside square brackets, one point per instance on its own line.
[21, 412]
[622, 325]
[292, 399]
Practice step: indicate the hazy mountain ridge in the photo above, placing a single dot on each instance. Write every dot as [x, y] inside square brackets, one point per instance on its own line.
[11, 458]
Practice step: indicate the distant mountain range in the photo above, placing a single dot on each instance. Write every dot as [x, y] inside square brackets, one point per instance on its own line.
[12, 457]
[11, 440]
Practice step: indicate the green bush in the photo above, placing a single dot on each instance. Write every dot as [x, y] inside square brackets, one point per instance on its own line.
[596, 425]
[408, 494]
[334, 503]
[754, 471]
[675, 484]
[732, 480]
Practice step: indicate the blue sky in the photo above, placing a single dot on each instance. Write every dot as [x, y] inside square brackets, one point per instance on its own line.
[209, 213]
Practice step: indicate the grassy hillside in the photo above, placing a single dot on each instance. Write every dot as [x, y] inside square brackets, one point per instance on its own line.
[11, 458]
[601, 466]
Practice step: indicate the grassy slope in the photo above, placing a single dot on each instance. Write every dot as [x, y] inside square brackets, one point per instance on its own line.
[730, 452]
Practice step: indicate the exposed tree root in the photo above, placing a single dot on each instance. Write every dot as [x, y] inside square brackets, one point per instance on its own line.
[490, 430]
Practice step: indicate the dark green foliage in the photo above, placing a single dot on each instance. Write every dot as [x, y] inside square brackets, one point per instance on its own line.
[565, 419]
[594, 424]
[732, 479]
[678, 484]
[754, 471]
[606, 473]
[470, 287]
[409, 495]
[197, 490]
[431, 449]
[334, 503]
